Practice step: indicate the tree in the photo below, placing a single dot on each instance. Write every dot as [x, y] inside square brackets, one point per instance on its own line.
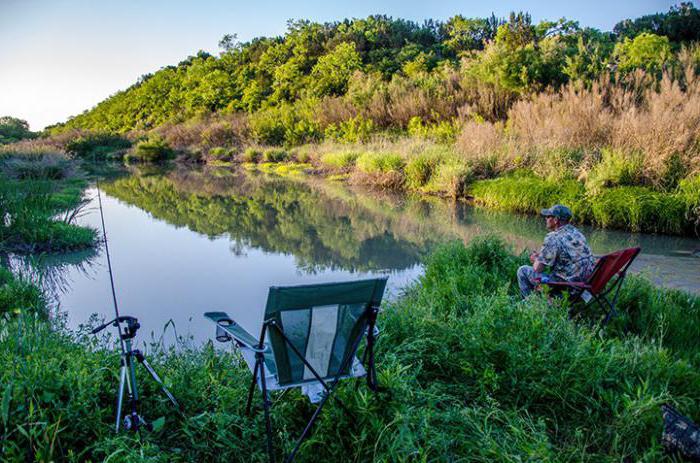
[680, 24]
[229, 43]
[466, 34]
[331, 74]
[13, 129]
[647, 51]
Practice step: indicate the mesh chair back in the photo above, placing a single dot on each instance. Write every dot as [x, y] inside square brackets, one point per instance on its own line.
[609, 265]
[323, 322]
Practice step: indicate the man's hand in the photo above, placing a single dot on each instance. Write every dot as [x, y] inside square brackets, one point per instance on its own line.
[533, 256]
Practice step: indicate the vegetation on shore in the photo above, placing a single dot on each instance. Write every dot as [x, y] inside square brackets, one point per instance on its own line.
[40, 197]
[471, 373]
[436, 108]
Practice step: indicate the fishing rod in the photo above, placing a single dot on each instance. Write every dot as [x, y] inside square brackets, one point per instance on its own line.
[133, 421]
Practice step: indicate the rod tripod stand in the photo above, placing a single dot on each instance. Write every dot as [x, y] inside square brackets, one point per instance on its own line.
[133, 421]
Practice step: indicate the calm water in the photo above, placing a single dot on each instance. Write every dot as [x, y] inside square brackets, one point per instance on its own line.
[188, 241]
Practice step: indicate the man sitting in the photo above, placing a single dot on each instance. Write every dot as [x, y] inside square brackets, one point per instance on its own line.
[564, 252]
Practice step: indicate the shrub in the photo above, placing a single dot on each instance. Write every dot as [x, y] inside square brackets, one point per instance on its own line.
[54, 167]
[451, 178]
[441, 132]
[354, 130]
[251, 154]
[339, 159]
[98, 146]
[419, 169]
[615, 169]
[275, 155]
[152, 150]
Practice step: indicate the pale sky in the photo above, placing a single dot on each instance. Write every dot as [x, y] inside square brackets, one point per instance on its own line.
[61, 57]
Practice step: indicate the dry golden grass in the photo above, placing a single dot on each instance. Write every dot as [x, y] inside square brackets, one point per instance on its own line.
[563, 133]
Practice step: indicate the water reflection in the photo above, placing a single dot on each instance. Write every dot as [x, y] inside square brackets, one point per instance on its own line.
[186, 241]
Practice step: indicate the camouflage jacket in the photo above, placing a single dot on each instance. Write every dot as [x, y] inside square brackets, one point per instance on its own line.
[567, 254]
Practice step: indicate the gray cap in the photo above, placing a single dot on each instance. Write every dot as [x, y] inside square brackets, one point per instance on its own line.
[559, 211]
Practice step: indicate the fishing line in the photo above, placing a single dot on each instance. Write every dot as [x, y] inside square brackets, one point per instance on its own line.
[109, 261]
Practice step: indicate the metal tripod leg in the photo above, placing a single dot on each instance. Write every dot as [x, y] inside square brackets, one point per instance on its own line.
[120, 396]
[157, 379]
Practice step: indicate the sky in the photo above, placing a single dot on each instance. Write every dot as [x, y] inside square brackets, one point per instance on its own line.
[59, 58]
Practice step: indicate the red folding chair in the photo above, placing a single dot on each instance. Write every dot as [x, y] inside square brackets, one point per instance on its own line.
[605, 281]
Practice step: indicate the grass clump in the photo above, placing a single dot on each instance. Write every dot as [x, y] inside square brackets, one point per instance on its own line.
[275, 155]
[380, 162]
[523, 192]
[221, 154]
[18, 296]
[639, 209]
[251, 155]
[339, 159]
[154, 149]
[31, 212]
[615, 169]
[689, 189]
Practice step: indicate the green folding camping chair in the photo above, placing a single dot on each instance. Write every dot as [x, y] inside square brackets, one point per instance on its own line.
[309, 337]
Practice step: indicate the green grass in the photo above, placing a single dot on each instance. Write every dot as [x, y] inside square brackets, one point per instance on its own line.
[378, 162]
[633, 208]
[275, 155]
[471, 373]
[339, 159]
[31, 207]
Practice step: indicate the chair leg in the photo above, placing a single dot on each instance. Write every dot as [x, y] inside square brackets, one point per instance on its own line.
[311, 422]
[266, 408]
[251, 390]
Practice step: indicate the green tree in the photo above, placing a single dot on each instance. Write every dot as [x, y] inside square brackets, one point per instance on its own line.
[331, 74]
[680, 24]
[13, 129]
[647, 51]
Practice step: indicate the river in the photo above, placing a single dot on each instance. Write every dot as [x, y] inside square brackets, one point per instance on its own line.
[186, 241]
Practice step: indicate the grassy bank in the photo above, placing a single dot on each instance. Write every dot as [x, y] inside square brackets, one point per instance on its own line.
[473, 374]
[40, 197]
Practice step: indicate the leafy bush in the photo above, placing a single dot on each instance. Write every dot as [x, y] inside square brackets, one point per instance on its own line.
[152, 150]
[615, 169]
[357, 129]
[441, 132]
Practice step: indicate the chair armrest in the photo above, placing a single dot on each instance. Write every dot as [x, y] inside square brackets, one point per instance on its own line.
[567, 284]
[235, 331]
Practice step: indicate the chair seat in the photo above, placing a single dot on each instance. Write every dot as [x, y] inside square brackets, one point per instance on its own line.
[272, 381]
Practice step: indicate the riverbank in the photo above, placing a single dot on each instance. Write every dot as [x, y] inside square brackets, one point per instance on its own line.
[420, 167]
[470, 371]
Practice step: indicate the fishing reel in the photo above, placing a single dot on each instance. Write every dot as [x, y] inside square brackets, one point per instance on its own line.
[128, 331]
[134, 421]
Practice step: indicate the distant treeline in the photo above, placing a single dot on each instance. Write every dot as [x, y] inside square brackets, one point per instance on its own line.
[351, 78]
